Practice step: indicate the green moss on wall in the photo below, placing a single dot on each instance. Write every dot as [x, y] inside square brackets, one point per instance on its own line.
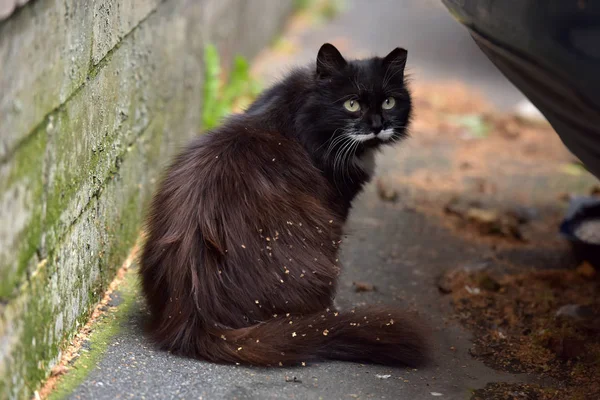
[26, 184]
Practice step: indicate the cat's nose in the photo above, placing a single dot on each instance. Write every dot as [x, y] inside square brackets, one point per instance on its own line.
[376, 125]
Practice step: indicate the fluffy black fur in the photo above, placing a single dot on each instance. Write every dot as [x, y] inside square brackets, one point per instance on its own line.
[307, 106]
[241, 258]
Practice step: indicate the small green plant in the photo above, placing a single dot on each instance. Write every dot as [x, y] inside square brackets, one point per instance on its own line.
[332, 8]
[321, 10]
[575, 168]
[475, 124]
[302, 4]
[221, 97]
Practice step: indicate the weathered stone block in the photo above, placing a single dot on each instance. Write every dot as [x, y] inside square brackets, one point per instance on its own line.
[44, 56]
[21, 212]
[94, 106]
[58, 297]
[113, 19]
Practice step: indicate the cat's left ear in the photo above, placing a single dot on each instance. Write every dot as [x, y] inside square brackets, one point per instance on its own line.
[396, 58]
[329, 60]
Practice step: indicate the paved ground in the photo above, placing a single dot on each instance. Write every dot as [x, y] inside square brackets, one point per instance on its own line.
[393, 246]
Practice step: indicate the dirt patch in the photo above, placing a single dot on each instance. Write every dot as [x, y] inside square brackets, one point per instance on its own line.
[542, 322]
[487, 221]
[363, 287]
[515, 391]
[500, 180]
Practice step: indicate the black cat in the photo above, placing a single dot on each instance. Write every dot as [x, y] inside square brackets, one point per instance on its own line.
[240, 263]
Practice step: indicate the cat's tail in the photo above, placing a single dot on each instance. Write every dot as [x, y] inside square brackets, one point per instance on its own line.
[371, 334]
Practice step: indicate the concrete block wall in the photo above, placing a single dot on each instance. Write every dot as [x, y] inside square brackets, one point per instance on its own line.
[95, 96]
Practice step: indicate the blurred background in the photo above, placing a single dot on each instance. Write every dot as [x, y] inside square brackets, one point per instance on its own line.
[440, 49]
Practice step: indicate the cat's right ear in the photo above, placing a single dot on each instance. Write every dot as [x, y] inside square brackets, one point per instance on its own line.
[329, 61]
[396, 58]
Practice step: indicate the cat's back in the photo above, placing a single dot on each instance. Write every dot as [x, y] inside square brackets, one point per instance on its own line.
[235, 181]
[240, 164]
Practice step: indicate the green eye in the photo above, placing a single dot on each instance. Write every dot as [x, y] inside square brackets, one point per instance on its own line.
[352, 105]
[388, 103]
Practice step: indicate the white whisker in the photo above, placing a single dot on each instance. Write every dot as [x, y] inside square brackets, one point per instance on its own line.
[328, 140]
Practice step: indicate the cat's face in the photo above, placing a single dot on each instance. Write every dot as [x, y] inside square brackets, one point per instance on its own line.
[359, 104]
